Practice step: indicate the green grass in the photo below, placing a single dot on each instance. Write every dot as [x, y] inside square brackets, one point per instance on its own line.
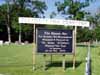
[95, 61]
[17, 60]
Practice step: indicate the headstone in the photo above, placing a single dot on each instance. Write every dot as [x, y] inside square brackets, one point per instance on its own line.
[22, 43]
[1, 42]
[6, 43]
[16, 42]
[26, 42]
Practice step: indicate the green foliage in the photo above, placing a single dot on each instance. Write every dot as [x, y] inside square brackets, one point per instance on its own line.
[85, 34]
[95, 25]
[55, 27]
[39, 6]
[74, 9]
[52, 15]
[20, 8]
[97, 33]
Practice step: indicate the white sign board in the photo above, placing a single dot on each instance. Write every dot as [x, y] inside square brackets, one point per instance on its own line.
[29, 20]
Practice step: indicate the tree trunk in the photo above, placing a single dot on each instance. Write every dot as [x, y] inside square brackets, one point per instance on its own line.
[8, 23]
[19, 34]
[8, 31]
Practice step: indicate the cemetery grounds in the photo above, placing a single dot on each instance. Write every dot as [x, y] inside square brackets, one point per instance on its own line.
[17, 60]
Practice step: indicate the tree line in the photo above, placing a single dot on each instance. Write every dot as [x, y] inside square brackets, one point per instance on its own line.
[11, 30]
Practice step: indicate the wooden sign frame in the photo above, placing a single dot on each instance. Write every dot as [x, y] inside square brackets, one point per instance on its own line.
[75, 23]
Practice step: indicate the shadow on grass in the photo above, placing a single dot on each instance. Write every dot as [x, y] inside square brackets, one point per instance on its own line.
[68, 64]
[93, 46]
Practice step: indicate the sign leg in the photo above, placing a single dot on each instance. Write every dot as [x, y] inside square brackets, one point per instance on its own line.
[34, 58]
[51, 58]
[34, 48]
[44, 65]
[63, 62]
[74, 52]
[74, 61]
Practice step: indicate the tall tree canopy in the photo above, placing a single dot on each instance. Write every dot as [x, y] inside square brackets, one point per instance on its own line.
[20, 8]
[74, 9]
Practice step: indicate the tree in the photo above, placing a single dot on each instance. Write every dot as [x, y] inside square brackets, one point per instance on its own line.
[29, 8]
[52, 15]
[73, 9]
[97, 26]
[5, 13]
[20, 8]
[97, 33]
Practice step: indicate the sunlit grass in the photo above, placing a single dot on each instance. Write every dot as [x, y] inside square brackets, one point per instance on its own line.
[17, 60]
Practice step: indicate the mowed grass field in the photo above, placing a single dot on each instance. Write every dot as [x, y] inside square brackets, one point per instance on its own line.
[17, 60]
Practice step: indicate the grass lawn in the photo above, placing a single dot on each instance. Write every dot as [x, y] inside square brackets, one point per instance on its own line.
[17, 60]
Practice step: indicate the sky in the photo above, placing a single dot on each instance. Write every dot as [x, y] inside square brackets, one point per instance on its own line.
[51, 7]
[1, 1]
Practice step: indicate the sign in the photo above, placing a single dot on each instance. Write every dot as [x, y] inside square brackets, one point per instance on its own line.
[29, 20]
[54, 41]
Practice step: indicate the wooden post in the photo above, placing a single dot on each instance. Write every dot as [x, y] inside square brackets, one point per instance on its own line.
[74, 52]
[44, 65]
[89, 46]
[34, 48]
[51, 58]
[63, 62]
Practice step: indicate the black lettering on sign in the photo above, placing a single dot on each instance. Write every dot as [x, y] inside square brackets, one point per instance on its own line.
[54, 41]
